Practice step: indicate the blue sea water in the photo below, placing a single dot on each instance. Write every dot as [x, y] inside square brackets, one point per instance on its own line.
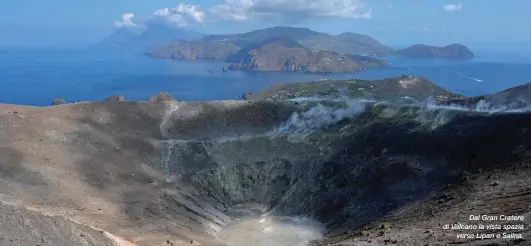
[37, 76]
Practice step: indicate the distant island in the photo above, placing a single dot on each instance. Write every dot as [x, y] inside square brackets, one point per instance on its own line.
[155, 35]
[453, 51]
[281, 49]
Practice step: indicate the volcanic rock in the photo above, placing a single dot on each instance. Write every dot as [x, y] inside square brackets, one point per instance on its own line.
[58, 101]
[115, 98]
[161, 97]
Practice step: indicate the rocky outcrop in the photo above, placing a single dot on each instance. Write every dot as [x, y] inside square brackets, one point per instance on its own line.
[115, 98]
[453, 51]
[58, 101]
[161, 97]
[283, 54]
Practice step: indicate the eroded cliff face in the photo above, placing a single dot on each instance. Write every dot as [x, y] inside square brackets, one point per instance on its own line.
[275, 57]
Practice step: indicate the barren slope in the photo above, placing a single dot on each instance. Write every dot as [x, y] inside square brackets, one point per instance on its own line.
[266, 172]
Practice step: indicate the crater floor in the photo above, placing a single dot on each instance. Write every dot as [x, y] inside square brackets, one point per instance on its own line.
[266, 231]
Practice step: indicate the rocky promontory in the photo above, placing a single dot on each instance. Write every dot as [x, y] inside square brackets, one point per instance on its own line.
[453, 51]
[115, 98]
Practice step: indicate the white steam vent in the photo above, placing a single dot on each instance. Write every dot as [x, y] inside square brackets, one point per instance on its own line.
[268, 231]
[320, 116]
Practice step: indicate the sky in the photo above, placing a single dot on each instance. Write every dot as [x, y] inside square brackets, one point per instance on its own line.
[393, 22]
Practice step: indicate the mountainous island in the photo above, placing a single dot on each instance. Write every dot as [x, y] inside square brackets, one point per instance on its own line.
[155, 35]
[281, 49]
[285, 54]
[120, 38]
[453, 51]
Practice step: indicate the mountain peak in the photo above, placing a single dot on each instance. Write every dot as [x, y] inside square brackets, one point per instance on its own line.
[121, 37]
[162, 32]
[154, 35]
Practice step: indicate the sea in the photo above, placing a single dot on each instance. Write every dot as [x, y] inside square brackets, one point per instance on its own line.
[35, 76]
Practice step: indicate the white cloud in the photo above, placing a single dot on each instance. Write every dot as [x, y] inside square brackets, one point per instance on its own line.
[291, 10]
[233, 9]
[126, 21]
[453, 7]
[183, 15]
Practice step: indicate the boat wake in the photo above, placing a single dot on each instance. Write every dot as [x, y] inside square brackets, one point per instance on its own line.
[470, 78]
[475, 79]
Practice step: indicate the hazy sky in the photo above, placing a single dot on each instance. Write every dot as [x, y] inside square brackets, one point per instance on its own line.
[394, 22]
